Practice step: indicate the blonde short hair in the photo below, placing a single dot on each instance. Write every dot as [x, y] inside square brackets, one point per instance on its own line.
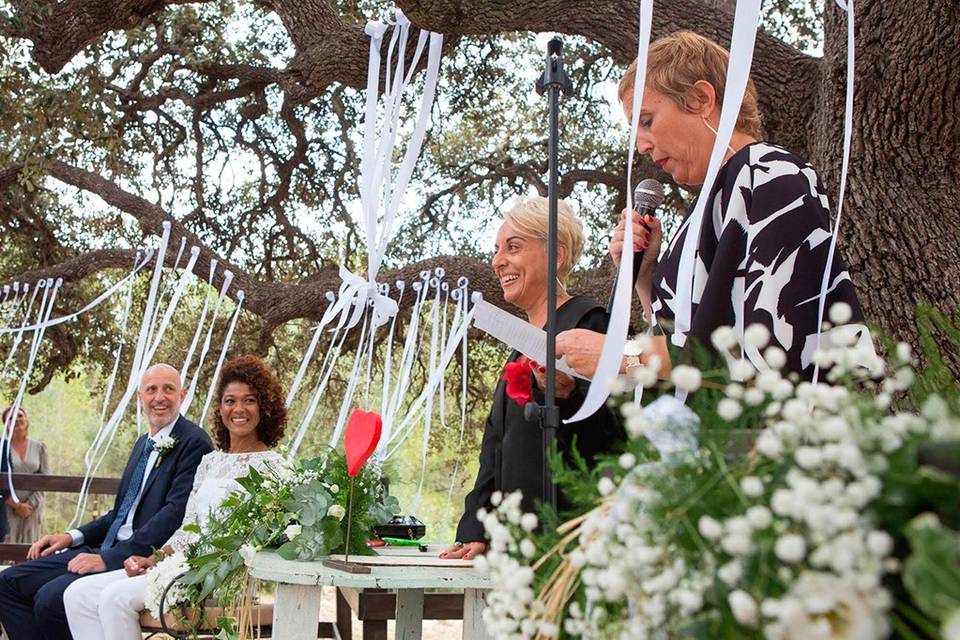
[677, 61]
[529, 216]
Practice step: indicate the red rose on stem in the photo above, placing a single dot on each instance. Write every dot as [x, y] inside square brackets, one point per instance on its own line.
[517, 376]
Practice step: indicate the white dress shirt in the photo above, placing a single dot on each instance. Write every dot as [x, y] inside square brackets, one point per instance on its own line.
[126, 529]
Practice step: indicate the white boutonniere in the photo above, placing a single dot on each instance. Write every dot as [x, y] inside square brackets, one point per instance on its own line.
[163, 444]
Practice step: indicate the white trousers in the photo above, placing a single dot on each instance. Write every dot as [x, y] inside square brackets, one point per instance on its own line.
[105, 606]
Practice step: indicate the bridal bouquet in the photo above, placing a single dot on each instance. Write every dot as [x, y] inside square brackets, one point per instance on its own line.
[811, 533]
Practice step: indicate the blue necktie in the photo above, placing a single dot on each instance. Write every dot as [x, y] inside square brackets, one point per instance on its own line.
[133, 489]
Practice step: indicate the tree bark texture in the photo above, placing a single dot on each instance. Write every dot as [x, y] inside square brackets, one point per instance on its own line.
[900, 231]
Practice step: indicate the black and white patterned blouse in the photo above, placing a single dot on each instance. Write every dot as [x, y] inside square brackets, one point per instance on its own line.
[762, 250]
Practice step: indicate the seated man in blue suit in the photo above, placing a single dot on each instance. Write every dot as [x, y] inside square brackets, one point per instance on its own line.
[149, 507]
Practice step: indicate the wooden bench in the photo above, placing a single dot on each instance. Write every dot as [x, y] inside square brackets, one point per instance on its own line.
[57, 484]
[375, 606]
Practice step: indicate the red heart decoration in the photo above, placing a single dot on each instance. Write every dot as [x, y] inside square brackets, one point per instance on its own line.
[361, 438]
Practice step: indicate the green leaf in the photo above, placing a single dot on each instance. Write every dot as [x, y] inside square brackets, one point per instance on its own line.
[931, 572]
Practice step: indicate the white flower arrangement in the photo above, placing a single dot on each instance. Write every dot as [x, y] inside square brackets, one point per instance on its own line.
[164, 444]
[783, 546]
[159, 577]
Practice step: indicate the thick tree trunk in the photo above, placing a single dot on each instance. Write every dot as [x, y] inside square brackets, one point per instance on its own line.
[900, 231]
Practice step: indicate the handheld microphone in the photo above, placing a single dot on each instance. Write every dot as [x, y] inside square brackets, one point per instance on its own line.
[647, 196]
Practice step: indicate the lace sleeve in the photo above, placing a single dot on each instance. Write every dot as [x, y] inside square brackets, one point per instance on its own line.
[181, 539]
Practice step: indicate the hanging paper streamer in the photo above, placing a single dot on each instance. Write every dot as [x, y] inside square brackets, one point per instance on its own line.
[608, 366]
[847, 6]
[50, 290]
[208, 338]
[745, 21]
[223, 356]
[308, 355]
[93, 303]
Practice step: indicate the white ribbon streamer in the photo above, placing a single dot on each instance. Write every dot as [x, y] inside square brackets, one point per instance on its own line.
[413, 411]
[96, 301]
[745, 21]
[208, 338]
[847, 6]
[223, 355]
[308, 354]
[611, 356]
[200, 324]
[51, 289]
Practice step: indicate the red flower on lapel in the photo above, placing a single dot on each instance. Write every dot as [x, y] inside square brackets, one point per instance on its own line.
[517, 376]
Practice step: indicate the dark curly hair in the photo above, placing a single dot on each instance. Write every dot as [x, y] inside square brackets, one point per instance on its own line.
[273, 408]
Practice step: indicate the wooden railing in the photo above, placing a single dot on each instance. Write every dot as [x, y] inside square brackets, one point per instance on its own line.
[56, 484]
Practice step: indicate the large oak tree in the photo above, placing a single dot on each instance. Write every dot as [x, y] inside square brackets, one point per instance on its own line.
[237, 123]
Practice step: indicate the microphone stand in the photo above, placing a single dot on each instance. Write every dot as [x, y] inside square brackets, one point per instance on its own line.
[553, 81]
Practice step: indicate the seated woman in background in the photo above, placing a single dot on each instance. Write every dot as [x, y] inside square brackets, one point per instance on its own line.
[762, 244]
[511, 454]
[249, 421]
[28, 456]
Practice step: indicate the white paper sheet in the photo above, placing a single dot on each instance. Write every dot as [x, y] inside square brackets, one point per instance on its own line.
[517, 334]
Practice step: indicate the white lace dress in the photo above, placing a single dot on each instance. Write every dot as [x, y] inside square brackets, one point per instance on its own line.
[107, 606]
[215, 480]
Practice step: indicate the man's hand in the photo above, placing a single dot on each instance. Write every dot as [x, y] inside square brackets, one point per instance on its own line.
[565, 385]
[23, 510]
[137, 565]
[465, 551]
[84, 563]
[48, 544]
[582, 348]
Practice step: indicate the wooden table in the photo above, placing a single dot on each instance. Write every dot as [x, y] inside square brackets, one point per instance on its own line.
[299, 585]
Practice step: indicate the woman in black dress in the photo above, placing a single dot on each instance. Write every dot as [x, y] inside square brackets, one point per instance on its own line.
[511, 453]
[760, 250]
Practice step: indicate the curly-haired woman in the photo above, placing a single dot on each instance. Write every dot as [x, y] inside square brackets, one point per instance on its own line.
[250, 420]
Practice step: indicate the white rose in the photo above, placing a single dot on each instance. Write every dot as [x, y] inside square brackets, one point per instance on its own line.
[527, 548]
[606, 486]
[723, 338]
[709, 528]
[769, 445]
[528, 522]
[744, 607]
[337, 511]
[752, 486]
[754, 396]
[292, 531]
[879, 543]
[775, 357]
[729, 409]
[809, 457]
[741, 370]
[686, 377]
[334, 489]
[627, 460]
[790, 548]
[736, 544]
[247, 552]
[759, 517]
[757, 335]
[731, 572]
[840, 313]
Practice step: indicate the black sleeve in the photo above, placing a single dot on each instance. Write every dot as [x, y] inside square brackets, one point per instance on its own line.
[470, 528]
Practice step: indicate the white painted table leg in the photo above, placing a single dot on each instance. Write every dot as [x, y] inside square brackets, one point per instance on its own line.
[473, 605]
[409, 614]
[296, 612]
